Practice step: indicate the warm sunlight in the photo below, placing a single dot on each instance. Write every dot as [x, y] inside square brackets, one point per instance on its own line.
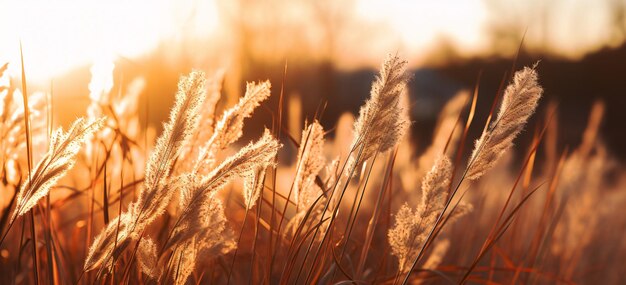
[421, 24]
[61, 35]
[281, 142]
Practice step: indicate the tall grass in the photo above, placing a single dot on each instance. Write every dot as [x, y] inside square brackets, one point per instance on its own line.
[356, 204]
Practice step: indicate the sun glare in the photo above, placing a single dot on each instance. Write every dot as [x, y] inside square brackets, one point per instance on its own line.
[60, 35]
[420, 24]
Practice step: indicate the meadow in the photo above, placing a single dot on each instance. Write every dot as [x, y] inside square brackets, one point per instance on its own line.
[110, 199]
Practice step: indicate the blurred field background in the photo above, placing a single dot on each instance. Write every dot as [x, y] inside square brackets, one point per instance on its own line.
[321, 57]
[331, 49]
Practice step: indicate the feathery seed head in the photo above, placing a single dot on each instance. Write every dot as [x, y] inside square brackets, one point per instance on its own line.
[59, 159]
[436, 182]
[518, 104]
[230, 127]
[106, 247]
[411, 227]
[310, 158]
[204, 133]
[251, 158]
[157, 191]
[249, 163]
[382, 121]
[147, 257]
[182, 121]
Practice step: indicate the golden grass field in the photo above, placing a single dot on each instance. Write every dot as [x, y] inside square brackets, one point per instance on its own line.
[108, 200]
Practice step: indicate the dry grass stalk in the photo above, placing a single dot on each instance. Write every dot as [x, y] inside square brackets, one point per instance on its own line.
[203, 239]
[206, 223]
[204, 132]
[411, 227]
[157, 190]
[382, 121]
[147, 257]
[585, 169]
[183, 263]
[201, 226]
[436, 257]
[310, 162]
[59, 159]
[198, 201]
[249, 161]
[158, 186]
[230, 127]
[518, 104]
[109, 243]
[577, 165]
[572, 225]
[582, 193]
[12, 127]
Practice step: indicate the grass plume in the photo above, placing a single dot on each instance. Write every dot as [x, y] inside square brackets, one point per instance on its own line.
[518, 104]
[381, 123]
[61, 156]
[346, 203]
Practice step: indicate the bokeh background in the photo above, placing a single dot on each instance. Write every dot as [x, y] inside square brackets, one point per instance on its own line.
[323, 54]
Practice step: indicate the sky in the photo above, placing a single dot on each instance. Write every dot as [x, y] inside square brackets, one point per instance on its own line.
[58, 36]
